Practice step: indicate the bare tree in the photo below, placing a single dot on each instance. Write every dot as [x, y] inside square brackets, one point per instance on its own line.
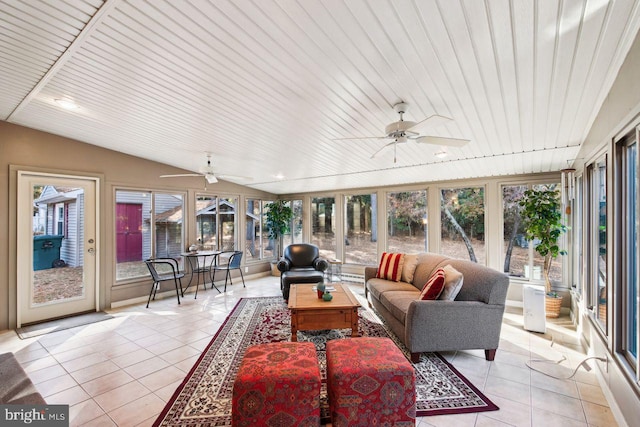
[456, 226]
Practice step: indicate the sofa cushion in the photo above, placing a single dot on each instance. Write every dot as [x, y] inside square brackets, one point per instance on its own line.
[427, 264]
[409, 267]
[434, 286]
[379, 286]
[390, 266]
[480, 282]
[452, 283]
[397, 302]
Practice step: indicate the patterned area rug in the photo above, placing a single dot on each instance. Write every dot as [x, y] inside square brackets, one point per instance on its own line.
[204, 397]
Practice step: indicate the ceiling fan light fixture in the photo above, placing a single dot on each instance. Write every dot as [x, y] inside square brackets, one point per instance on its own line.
[211, 178]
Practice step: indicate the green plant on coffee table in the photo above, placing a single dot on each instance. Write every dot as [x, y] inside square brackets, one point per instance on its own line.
[542, 220]
[278, 217]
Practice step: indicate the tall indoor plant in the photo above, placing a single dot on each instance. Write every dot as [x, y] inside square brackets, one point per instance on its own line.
[542, 219]
[278, 217]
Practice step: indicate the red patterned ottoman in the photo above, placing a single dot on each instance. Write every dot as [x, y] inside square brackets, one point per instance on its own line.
[278, 384]
[370, 382]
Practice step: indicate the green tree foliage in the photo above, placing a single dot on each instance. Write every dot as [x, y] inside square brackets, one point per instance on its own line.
[278, 217]
[542, 219]
[406, 210]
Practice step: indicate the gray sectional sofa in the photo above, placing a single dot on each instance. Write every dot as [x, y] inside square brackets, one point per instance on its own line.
[472, 321]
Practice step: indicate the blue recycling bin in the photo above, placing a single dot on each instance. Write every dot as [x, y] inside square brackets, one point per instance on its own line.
[46, 250]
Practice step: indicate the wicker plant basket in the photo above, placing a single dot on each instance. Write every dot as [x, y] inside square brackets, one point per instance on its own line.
[552, 306]
[602, 311]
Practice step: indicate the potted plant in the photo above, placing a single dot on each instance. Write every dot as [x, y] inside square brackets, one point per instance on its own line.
[542, 219]
[278, 217]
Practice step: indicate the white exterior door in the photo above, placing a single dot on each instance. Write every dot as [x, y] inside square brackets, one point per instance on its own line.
[57, 266]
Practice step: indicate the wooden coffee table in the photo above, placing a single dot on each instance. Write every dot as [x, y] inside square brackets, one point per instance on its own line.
[309, 313]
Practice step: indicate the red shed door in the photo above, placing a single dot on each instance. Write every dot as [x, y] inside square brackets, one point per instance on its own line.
[129, 232]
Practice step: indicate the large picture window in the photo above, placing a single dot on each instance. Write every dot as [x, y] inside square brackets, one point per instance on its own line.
[294, 235]
[258, 245]
[462, 223]
[360, 229]
[216, 222]
[520, 257]
[323, 225]
[407, 223]
[148, 224]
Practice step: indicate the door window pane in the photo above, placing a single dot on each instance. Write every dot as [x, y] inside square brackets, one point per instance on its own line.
[360, 229]
[407, 223]
[57, 255]
[462, 223]
[323, 231]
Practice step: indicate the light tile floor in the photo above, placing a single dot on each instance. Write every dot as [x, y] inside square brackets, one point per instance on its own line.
[122, 371]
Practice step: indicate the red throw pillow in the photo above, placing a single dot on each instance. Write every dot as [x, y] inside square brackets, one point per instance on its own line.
[434, 286]
[390, 267]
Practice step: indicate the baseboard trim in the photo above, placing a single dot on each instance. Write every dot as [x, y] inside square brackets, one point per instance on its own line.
[172, 292]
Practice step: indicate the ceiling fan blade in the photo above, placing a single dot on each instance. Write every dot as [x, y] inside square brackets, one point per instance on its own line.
[211, 178]
[383, 147]
[430, 122]
[180, 174]
[439, 140]
[224, 175]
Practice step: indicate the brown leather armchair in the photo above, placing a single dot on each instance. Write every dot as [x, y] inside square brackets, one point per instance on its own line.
[301, 263]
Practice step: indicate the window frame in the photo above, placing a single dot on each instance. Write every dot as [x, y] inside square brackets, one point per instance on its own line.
[627, 235]
[592, 229]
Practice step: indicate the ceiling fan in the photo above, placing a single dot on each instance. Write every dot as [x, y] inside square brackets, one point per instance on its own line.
[209, 175]
[404, 130]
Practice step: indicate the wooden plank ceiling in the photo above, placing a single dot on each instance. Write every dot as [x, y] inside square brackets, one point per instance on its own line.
[267, 86]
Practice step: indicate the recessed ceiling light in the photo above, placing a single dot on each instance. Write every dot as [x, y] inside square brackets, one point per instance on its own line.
[66, 103]
[441, 154]
[280, 176]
